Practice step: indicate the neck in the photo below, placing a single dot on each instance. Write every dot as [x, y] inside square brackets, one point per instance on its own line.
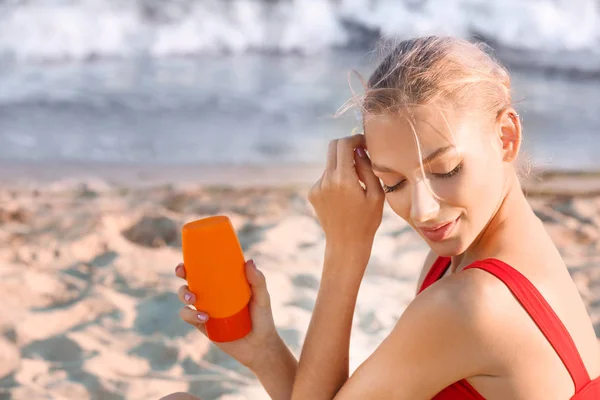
[513, 206]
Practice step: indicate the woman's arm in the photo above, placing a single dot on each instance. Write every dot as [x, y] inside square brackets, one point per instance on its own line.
[449, 332]
[324, 363]
[350, 216]
[277, 371]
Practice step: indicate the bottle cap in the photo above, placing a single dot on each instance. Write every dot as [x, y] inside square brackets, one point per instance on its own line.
[230, 328]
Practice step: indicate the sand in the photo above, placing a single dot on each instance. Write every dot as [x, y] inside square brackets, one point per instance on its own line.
[89, 309]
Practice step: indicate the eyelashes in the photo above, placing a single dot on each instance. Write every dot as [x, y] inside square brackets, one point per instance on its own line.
[450, 174]
[456, 170]
[390, 189]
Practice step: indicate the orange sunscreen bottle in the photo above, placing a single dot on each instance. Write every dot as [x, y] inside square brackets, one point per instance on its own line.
[214, 267]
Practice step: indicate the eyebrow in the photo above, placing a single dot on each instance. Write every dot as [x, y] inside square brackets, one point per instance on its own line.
[428, 159]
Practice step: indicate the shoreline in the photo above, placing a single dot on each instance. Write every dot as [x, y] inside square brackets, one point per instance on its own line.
[22, 173]
[541, 182]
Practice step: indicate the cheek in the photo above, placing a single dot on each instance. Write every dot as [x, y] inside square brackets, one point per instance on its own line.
[476, 185]
[478, 189]
[463, 189]
[400, 203]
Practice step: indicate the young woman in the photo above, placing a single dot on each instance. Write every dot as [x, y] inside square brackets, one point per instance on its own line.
[497, 315]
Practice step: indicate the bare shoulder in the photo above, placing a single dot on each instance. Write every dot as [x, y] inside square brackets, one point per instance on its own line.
[472, 290]
[442, 336]
[427, 264]
[480, 306]
[473, 298]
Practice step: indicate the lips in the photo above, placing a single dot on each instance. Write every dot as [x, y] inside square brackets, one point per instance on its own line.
[439, 232]
[435, 228]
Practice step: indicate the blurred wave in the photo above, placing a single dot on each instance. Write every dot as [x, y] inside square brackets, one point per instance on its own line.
[243, 109]
[563, 34]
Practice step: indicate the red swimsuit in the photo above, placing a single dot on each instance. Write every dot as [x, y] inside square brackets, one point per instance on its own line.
[540, 311]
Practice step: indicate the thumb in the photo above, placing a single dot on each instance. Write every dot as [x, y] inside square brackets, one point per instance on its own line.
[365, 171]
[258, 285]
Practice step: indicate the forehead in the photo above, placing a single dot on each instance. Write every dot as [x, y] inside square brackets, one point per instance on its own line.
[393, 132]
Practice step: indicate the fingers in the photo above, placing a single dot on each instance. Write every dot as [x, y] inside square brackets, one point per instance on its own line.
[341, 170]
[345, 151]
[340, 151]
[366, 175]
[193, 317]
[180, 271]
[258, 285]
[340, 157]
[189, 315]
[185, 296]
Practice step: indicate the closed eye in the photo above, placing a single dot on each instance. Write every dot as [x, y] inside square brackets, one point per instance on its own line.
[456, 170]
[390, 189]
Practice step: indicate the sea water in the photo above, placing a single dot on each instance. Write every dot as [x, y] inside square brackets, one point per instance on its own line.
[258, 82]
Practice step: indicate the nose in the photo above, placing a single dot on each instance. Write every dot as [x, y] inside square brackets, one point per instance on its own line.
[424, 205]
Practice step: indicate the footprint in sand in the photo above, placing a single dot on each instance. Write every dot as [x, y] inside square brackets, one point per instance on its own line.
[9, 359]
[67, 360]
[305, 281]
[46, 290]
[158, 315]
[302, 301]
[154, 231]
[160, 356]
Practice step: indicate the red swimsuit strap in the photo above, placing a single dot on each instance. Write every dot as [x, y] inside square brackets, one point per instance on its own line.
[436, 271]
[542, 314]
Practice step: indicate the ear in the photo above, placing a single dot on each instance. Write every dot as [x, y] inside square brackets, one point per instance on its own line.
[509, 132]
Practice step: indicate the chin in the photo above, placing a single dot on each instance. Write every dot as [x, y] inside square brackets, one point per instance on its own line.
[451, 247]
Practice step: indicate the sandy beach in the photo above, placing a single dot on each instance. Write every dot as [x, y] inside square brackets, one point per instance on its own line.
[89, 309]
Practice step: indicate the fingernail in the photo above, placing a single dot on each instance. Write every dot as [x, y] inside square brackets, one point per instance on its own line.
[178, 265]
[252, 264]
[202, 317]
[360, 152]
[187, 297]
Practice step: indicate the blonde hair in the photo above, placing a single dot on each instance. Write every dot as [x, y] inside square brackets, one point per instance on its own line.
[424, 70]
[440, 70]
